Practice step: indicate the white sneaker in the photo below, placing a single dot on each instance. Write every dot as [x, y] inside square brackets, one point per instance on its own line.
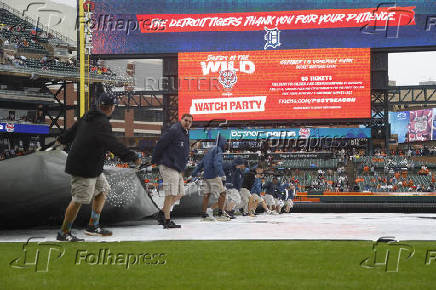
[274, 212]
[209, 217]
[209, 212]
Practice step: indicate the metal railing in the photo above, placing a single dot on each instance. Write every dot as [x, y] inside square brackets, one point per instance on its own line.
[34, 22]
[61, 74]
[14, 47]
[25, 93]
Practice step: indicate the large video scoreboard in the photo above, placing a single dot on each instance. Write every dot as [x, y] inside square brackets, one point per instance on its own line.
[329, 83]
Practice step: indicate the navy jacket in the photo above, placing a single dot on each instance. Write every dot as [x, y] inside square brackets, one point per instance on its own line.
[234, 176]
[281, 193]
[172, 150]
[212, 162]
[291, 193]
[274, 189]
[249, 179]
[92, 138]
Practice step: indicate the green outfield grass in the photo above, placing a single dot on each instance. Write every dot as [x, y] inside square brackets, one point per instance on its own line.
[215, 265]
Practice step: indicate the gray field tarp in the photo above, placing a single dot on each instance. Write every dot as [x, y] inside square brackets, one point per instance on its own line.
[191, 203]
[35, 190]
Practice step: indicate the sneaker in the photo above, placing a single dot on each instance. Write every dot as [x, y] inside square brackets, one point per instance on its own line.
[252, 214]
[171, 225]
[208, 219]
[222, 218]
[229, 214]
[273, 212]
[97, 231]
[160, 217]
[68, 237]
[209, 212]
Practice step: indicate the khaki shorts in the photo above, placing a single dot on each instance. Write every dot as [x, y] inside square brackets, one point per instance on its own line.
[245, 195]
[245, 198]
[257, 198]
[213, 186]
[233, 196]
[84, 190]
[269, 199]
[172, 181]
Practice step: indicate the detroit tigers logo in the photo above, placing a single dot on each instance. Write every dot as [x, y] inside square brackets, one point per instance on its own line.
[272, 37]
[10, 128]
[228, 78]
[304, 132]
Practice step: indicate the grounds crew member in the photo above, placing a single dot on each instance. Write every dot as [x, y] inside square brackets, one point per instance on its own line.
[171, 154]
[91, 138]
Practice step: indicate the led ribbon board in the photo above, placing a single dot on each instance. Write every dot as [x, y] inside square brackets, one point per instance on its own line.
[156, 27]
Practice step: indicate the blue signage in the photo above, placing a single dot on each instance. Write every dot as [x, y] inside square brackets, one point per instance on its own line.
[400, 124]
[286, 133]
[23, 128]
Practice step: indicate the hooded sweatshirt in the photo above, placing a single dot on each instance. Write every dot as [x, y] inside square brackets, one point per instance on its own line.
[212, 162]
[234, 176]
[91, 138]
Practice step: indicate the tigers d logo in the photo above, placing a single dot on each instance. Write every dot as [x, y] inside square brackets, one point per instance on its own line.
[228, 78]
[272, 38]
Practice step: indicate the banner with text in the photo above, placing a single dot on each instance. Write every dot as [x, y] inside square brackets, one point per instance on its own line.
[285, 133]
[173, 26]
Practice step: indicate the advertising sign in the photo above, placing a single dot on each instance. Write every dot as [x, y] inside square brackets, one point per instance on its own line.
[270, 85]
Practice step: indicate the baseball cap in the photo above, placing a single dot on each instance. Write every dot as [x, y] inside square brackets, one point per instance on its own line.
[238, 161]
[108, 99]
